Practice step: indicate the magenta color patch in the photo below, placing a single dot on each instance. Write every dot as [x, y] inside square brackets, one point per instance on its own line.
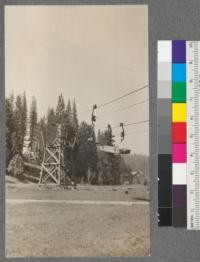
[179, 153]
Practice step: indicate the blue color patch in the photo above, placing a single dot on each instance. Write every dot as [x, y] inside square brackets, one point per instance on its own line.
[179, 72]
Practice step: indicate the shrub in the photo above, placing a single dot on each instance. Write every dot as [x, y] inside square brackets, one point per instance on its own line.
[16, 166]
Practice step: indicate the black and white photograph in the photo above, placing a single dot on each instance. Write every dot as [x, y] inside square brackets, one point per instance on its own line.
[77, 131]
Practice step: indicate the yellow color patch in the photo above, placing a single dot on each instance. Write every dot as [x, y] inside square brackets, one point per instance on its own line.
[179, 112]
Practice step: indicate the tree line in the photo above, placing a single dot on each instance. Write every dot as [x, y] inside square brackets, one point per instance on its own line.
[26, 135]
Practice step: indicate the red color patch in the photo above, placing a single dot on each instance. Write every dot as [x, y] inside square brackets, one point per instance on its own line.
[179, 132]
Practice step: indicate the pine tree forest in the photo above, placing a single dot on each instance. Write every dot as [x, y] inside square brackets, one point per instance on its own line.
[27, 135]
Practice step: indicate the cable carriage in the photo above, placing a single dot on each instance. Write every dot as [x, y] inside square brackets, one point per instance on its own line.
[112, 149]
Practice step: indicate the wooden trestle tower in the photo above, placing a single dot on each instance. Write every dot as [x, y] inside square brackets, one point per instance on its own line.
[53, 166]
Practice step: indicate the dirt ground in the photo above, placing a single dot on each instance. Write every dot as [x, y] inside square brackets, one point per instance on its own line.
[92, 225]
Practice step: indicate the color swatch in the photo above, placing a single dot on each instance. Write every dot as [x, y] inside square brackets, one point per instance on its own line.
[164, 133]
[179, 147]
[172, 147]
[178, 117]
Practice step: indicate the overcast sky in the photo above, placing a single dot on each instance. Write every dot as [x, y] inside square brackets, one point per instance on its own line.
[91, 53]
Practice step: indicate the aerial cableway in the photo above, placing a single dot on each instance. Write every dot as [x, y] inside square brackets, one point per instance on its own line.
[112, 149]
[55, 166]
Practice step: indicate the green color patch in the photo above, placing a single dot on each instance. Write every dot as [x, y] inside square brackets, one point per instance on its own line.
[179, 92]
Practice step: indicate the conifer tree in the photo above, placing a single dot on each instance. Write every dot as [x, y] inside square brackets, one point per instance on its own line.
[68, 123]
[10, 127]
[74, 117]
[17, 135]
[108, 164]
[69, 112]
[42, 137]
[24, 118]
[87, 150]
[60, 109]
[33, 124]
[51, 129]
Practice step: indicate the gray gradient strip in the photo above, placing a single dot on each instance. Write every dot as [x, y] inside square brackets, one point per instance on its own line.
[164, 89]
[164, 71]
[164, 144]
[164, 125]
[164, 108]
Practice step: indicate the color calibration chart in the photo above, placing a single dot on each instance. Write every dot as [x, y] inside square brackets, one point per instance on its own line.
[178, 119]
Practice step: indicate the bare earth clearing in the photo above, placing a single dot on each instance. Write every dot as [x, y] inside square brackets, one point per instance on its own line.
[89, 221]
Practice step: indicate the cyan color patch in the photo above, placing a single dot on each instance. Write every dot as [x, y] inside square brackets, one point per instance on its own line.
[178, 72]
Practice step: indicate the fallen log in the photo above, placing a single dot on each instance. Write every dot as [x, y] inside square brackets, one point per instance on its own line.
[29, 177]
[32, 165]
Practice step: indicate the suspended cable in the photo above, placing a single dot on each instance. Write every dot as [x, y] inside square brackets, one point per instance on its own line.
[123, 108]
[115, 99]
[128, 124]
[118, 98]
[134, 123]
